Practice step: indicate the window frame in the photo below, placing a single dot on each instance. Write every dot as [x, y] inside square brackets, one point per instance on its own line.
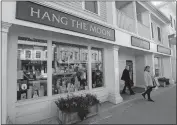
[158, 33]
[49, 70]
[171, 20]
[98, 8]
[33, 54]
[103, 65]
[174, 21]
[152, 30]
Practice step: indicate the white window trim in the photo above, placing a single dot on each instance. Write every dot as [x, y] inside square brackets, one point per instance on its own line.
[156, 32]
[98, 6]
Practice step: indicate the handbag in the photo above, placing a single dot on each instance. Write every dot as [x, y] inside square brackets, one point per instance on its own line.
[131, 82]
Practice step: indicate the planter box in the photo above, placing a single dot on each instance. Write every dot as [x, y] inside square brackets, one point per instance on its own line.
[162, 83]
[71, 118]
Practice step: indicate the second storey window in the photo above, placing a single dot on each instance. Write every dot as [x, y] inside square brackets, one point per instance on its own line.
[159, 33]
[171, 21]
[152, 30]
[91, 6]
[174, 24]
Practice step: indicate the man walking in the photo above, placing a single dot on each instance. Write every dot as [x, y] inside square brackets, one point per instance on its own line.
[126, 78]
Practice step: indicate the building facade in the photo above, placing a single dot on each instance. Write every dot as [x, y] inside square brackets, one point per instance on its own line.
[45, 45]
[169, 10]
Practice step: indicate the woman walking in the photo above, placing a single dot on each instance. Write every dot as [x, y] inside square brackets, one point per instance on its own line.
[149, 83]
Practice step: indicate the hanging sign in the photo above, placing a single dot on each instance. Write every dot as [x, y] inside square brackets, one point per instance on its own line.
[140, 43]
[164, 50]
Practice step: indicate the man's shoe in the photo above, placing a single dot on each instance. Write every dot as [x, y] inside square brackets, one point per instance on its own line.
[143, 95]
[150, 100]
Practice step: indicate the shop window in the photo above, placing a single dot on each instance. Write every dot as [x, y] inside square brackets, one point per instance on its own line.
[97, 67]
[91, 6]
[31, 68]
[70, 67]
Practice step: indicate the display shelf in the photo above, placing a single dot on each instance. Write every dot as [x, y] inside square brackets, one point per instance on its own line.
[72, 62]
[96, 62]
[65, 73]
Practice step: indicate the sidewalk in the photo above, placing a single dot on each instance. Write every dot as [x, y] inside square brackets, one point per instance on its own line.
[107, 108]
[106, 112]
[140, 111]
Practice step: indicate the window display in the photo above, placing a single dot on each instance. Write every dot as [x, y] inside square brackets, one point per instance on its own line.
[31, 68]
[97, 67]
[69, 64]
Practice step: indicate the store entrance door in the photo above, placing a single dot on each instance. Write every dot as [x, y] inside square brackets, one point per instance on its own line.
[130, 64]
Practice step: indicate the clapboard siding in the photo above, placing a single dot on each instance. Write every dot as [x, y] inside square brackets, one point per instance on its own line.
[77, 6]
[103, 11]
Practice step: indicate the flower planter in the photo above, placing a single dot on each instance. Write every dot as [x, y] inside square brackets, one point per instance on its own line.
[162, 83]
[71, 118]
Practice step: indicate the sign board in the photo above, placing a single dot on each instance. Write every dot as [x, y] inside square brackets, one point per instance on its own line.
[140, 43]
[32, 12]
[164, 50]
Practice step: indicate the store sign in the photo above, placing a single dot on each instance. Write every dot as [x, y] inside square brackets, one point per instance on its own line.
[140, 43]
[164, 50]
[32, 12]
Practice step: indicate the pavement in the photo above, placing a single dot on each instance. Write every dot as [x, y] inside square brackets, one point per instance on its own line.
[140, 111]
[135, 110]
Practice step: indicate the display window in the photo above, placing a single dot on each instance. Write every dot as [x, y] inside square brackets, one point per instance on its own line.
[70, 67]
[31, 69]
[97, 67]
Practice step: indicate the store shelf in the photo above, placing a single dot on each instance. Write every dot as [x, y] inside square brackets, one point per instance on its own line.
[65, 73]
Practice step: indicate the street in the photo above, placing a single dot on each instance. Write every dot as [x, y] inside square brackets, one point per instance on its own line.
[140, 111]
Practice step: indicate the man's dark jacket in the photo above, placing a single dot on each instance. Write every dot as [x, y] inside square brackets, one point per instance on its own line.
[125, 75]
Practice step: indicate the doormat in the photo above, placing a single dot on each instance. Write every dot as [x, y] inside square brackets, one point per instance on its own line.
[138, 89]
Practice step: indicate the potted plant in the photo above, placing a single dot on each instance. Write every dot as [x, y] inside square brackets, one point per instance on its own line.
[75, 108]
[163, 81]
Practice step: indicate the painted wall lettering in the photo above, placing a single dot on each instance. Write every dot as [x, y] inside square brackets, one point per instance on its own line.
[32, 12]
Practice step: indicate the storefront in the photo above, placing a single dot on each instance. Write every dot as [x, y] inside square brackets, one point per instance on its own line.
[44, 65]
[137, 57]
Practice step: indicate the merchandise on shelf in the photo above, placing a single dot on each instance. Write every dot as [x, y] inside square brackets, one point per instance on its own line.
[35, 94]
